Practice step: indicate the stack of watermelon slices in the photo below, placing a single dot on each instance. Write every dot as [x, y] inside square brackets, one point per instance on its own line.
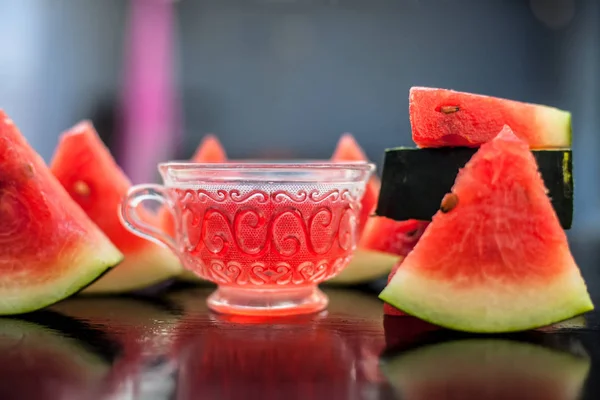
[495, 257]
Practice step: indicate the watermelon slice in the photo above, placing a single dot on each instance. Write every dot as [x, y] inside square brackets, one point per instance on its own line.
[348, 149]
[441, 117]
[394, 237]
[86, 169]
[210, 150]
[49, 248]
[496, 258]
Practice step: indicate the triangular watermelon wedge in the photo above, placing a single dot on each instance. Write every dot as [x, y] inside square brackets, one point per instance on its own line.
[87, 170]
[210, 150]
[49, 248]
[348, 149]
[497, 261]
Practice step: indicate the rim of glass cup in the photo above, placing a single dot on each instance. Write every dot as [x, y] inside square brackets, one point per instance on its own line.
[318, 171]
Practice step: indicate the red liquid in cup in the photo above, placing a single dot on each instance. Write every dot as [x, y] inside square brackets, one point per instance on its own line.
[265, 238]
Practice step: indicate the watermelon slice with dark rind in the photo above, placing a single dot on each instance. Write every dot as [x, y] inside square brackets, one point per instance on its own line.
[49, 248]
[86, 169]
[486, 368]
[497, 262]
[441, 118]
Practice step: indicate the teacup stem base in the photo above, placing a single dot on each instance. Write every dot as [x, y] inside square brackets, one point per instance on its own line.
[267, 302]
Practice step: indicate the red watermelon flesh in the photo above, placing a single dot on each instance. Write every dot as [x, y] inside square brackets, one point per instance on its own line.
[49, 248]
[390, 236]
[210, 150]
[348, 149]
[86, 169]
[499, 261]
[395, 237]
[441, 117]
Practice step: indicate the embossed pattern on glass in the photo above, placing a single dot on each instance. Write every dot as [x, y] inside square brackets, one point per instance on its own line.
[267, 234]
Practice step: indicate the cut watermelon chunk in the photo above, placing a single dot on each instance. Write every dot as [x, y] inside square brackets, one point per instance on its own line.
[49, 248]
[499, 260]
[394, 237]
[347, 149]
[441, 117]
[210, 150]
[86, 169]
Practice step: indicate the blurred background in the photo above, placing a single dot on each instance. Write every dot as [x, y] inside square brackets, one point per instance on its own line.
[285, 78]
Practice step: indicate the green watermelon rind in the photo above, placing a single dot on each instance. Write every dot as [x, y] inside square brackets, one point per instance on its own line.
[366, 265]
[575, 301]
[496, 303]
[54, 290]
[555, 120]
[145, 268]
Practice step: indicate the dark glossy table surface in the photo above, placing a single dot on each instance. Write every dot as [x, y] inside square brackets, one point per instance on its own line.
[171, 347]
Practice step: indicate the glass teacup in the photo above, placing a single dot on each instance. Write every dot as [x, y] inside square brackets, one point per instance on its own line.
[266, 233]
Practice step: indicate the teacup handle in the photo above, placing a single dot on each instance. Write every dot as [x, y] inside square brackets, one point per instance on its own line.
[131, 220]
